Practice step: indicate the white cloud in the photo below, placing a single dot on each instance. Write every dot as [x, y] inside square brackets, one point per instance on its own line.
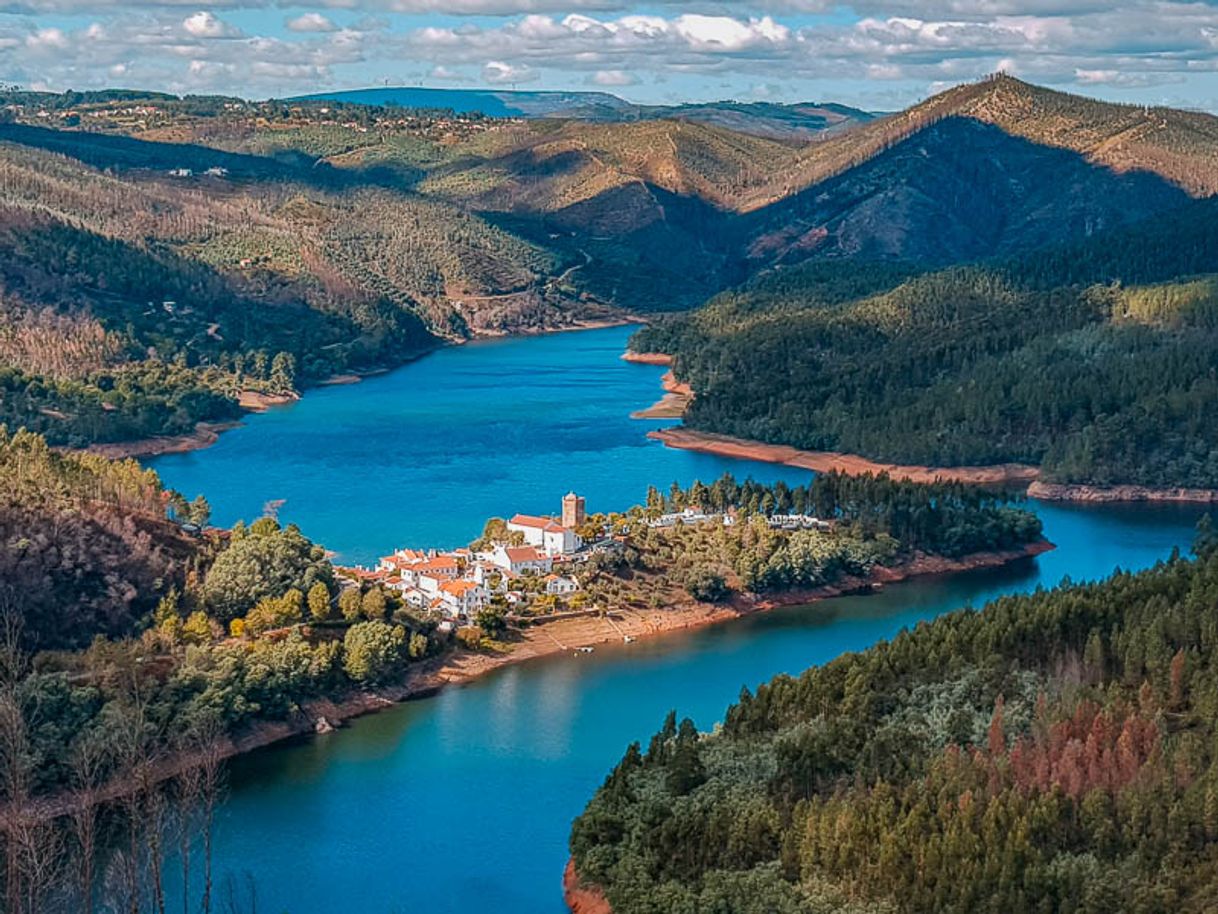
[205, 24]
[727, 45]
[50, 38]
[311, 22]
[448, 75]
[714, 33]
[496, 72]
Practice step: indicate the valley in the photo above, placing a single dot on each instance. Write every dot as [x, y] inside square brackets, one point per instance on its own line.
[199, 228]
[343, 319]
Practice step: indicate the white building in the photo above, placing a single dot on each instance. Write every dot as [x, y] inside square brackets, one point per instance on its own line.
[560, 586]
[546, 534]
[522, 559]
[463, 598]
[799, 522]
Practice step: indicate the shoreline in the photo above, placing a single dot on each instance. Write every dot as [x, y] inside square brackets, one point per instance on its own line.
[678, 395]
[648, 358]
[582, 898]
[547, 639]
[204, 436]
[829, 461]
[673, 404]
[1129, 494]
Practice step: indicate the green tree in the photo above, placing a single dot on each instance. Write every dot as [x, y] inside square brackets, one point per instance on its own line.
[319, 602]
[374, 605]
[492, 620]
[373, 651]
[200, 511]
[706, 585]
[266, 561]
[350, 603]
[418, 646]
[283, 373]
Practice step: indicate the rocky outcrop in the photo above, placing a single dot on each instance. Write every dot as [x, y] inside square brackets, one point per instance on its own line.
[1048, 491]
[647, 358]
[582, 899]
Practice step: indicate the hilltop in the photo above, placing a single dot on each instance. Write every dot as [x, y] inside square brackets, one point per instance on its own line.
[800, 121]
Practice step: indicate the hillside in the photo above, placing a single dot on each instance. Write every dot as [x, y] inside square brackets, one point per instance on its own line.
[1094, 361]
[375, 232]
[88, 549]
[1052, 752]
[144, 283]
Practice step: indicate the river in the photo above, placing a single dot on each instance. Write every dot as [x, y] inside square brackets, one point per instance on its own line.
[462, 802]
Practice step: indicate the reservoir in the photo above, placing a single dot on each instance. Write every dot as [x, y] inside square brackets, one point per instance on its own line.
[422, 456]
[463, 801]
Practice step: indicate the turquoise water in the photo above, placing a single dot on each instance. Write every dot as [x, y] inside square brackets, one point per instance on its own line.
[423, 455]
[463, 801]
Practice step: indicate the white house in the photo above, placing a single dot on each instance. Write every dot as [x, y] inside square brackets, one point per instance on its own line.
[429, 575]
[522, 559]
[546, 534]
[559, 585]
[463, 598]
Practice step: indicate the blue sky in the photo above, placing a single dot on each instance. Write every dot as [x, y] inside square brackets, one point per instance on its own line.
[872, 53]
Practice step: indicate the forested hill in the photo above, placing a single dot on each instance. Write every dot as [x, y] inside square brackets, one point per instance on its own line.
[1096, 361]
[1053, 752]
[800, 121]
[153, 249]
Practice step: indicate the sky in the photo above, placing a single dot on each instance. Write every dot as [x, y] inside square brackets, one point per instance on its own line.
[877, 54]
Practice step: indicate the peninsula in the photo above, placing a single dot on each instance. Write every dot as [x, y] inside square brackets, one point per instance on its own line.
[239, 637]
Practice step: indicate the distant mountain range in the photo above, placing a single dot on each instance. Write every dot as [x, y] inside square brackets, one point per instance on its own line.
[798, 121]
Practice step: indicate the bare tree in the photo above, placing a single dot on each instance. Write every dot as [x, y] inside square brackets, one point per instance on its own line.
[188, 796]
[88, 760]
[15, 773]
[208, 735]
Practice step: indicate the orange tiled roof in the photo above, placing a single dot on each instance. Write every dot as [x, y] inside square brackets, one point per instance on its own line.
[440, 563]
[524, 554]
[547, 524]
[457, 588]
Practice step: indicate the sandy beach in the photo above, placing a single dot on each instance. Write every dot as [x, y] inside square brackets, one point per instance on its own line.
[676, 399]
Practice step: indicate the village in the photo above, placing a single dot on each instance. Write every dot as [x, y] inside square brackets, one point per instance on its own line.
[531, 569]
[531, 566]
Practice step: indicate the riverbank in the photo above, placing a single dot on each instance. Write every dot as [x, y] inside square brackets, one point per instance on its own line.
[830, 461]
[1046, 491]
[648, 358]
[673, 404]
[588, 899]
[568, 634]
[582, 899]
[205, 435]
